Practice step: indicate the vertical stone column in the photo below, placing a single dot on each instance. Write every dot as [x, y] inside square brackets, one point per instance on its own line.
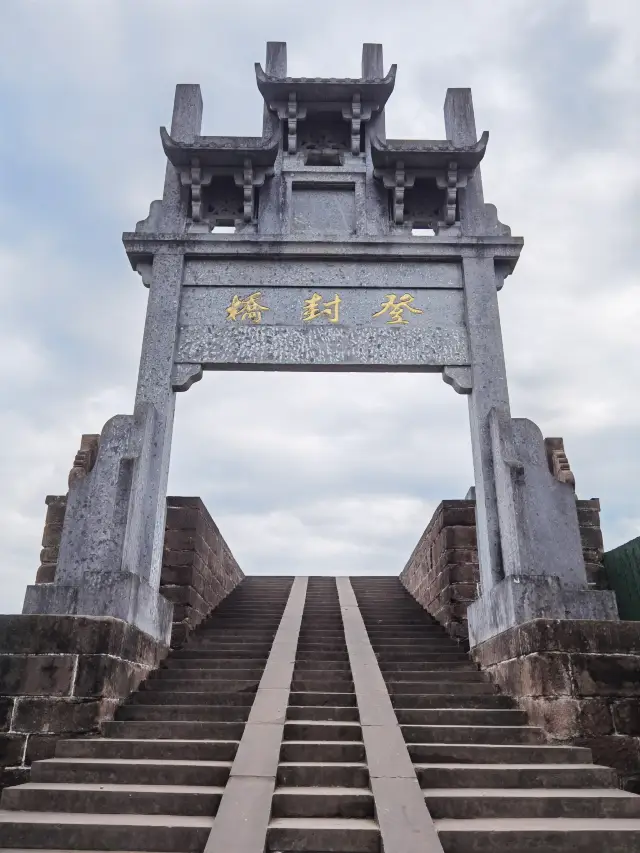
[488, 370]
[376, 201]
[145, 528]
[271, 194]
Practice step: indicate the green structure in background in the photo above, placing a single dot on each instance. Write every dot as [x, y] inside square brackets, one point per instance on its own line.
[622, 566]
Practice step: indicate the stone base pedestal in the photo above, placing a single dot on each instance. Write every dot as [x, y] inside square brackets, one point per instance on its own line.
[517, 600]
[578, 680]
[120, 595]
[62, 676]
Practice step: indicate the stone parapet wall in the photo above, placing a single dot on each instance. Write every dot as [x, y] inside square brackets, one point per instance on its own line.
[62, 676]
[198, 568]
[578, 680]
[442, 573]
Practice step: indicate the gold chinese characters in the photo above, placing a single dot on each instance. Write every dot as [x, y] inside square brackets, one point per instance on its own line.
[396, 310]
[248, 308]
[315, 307]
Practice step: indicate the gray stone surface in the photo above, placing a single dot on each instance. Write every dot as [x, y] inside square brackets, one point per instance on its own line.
[245, 808]
[405, 823]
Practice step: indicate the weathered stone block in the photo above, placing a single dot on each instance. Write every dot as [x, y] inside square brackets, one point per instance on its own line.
[108, 677]
[618, 751]
[61, 715]
[46, 573]
[606, 675]
[626, 716]
[45, 675]
[558, 716]
[595, 718]
[41, 747]
[6, 711]
[11, 748]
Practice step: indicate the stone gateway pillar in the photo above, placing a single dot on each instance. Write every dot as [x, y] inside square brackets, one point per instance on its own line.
[341, 250]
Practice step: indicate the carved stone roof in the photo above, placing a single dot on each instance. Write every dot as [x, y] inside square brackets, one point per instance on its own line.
[427, 153]
[322, 89]
[221, 150]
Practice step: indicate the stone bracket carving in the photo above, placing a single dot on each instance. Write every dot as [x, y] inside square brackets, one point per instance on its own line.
[196, 178]
[397, 181]
[459, 378]
[356, 114]
[250, 178]
[184, 375]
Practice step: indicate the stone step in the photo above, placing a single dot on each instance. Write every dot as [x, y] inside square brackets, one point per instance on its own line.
[212, 663]
[460, 688]
[195, 653]
[560, 835]
[472, 803]
[315, 699]
[128, 771]
[208, 713]
[191, 697]
[314, 664]
[247, 686]
[189, 673]
[450, 675]
[321, 685]
[314, 730]
[478, 753]
[134, 798]
[170, 750]
[322, 712]
[472, 734]
[515, 776]
[451, 700]
[344, 774]
[323, 802]
[461, 716]
[433, 665]
[173, 730]
[310, 835]
[384, 655]
[77, 831]
[325, 751]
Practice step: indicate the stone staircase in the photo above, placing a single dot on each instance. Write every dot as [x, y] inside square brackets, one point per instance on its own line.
[322, 797]
[491, 782]
[159, 774]
[154, 781]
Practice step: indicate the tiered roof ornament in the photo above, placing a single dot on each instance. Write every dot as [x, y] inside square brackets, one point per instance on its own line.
[323, 124]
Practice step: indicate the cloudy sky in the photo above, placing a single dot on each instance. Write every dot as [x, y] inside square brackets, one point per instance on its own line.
[315, 473]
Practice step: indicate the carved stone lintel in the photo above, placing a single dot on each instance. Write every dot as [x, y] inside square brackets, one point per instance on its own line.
[459, 378]
[85, 458]
[184, 375]
[558, 462]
